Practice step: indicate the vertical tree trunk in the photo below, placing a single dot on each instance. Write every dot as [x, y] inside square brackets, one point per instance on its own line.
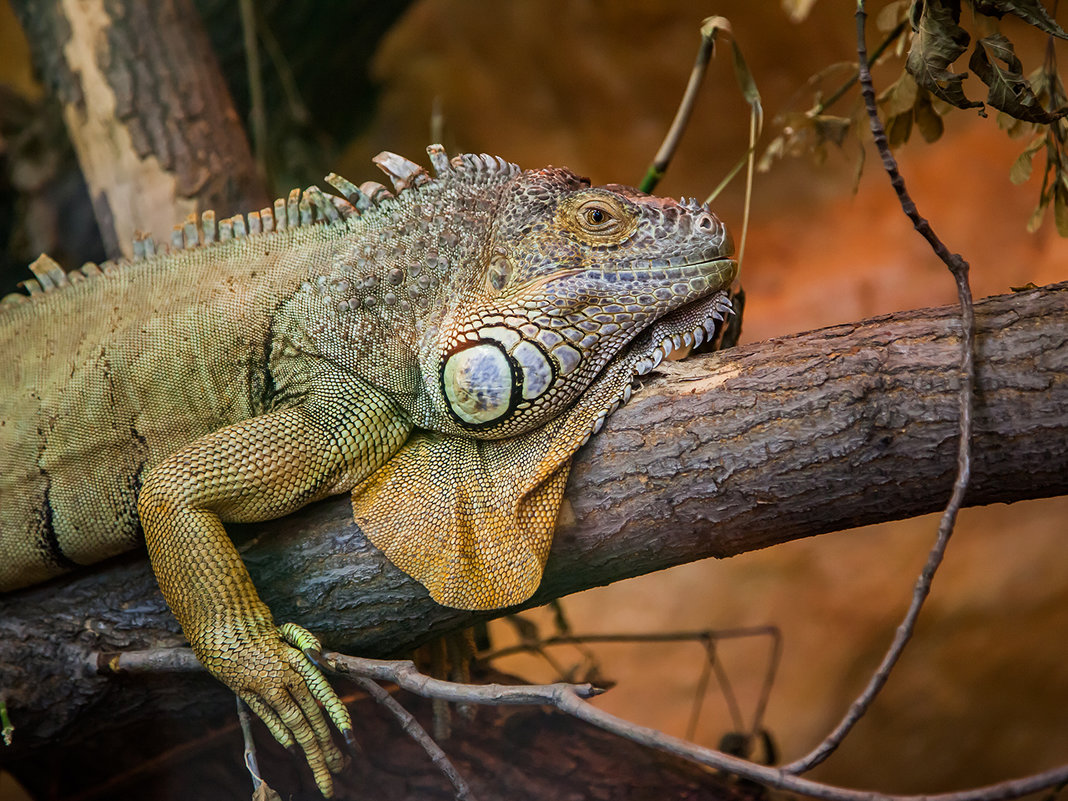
[150, 117]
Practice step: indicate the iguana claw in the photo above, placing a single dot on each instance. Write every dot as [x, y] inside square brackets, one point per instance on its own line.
[285, 689]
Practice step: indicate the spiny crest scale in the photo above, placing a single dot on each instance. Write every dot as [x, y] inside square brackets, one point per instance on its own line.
[402, 172]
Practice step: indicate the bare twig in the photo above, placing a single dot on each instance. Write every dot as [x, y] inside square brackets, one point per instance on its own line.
[531, 641]
[442, 717]
[837, 94]
[814, 81]
[404, 674]
[571, 699]
[568, 702]
[148, 660]
[707, 638]
[250, 745]
[297, 109]
[702, 690]
[959, 268]
[682, 115]
[418, 733]
[658, 636]
[724, 681]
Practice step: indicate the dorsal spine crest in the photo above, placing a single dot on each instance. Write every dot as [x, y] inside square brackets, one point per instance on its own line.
[297, 210]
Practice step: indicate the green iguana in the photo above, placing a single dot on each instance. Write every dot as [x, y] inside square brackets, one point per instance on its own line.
[441, 352]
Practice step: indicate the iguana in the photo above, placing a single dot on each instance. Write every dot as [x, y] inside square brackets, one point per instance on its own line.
[440, 352]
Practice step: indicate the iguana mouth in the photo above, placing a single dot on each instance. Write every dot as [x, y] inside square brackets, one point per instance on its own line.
[677, 333]
[671, 337]
[689, 326]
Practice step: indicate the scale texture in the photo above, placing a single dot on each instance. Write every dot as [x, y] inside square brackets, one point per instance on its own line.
[440, 351]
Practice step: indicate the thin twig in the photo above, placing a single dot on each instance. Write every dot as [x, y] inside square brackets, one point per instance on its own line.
[567, 701]
[147, 660]
[404, 674]
[682, 116]
[837, 94]
[570, 698]
[440, 709]
[700, 691]
[959, 268]
[530, 641]
[706, 637]
[769, 677]
[297, 109]
[700, 635]
[725, 686]
[418, 733]
[250, 746]
[816, 79]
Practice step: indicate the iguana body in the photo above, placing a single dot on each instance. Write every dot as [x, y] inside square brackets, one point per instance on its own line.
[441, 353]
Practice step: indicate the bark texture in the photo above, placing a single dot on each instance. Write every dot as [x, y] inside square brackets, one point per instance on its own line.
[721, 454]
[147, 110]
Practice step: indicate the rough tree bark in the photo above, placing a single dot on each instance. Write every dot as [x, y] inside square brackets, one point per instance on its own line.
[147, 110]
[721, 454]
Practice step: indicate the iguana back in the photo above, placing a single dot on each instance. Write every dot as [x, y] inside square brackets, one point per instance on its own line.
[110, 371]
[105, 378]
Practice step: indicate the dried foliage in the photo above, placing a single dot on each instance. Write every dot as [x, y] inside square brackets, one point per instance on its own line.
[931, 37]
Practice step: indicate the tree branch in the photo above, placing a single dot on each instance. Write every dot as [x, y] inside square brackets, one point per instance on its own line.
[572, 699]
[722, 454]
[147, 111]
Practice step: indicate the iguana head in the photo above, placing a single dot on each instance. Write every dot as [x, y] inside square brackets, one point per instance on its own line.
[570, 277]
[557, 296]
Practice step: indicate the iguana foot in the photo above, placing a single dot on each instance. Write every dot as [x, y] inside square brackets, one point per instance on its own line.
[280, 683]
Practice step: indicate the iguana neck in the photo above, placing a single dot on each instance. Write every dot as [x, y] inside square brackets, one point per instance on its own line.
[408, 269]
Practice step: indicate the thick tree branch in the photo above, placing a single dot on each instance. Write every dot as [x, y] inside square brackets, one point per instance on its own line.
[147, 111]
[727, 453]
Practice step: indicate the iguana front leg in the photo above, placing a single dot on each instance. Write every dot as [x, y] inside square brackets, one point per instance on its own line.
[260, 469]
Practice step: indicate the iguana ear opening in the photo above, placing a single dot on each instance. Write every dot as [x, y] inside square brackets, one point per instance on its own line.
[471, 520]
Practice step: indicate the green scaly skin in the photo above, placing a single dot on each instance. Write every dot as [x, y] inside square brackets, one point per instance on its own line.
[440, 353]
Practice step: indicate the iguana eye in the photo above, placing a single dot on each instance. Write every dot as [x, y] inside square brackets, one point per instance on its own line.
[597, 217]
[479, 383]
